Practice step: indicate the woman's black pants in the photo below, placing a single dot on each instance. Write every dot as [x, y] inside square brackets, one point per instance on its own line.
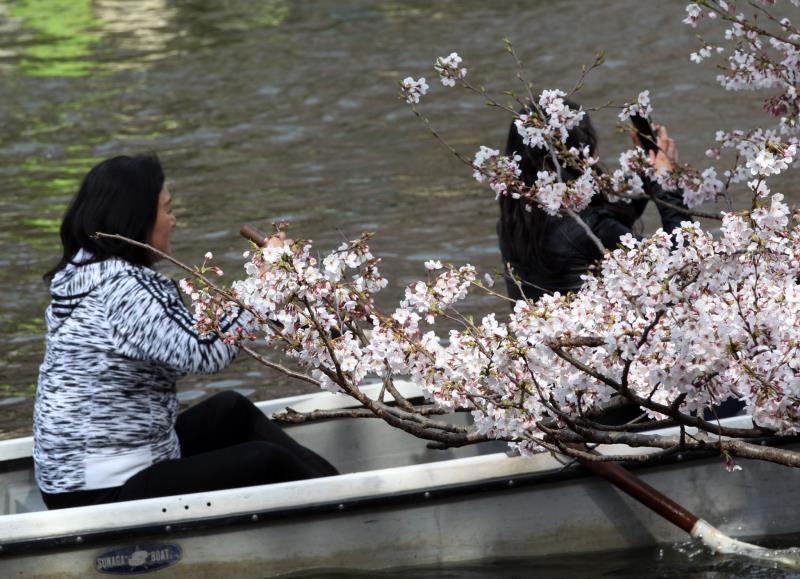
[226, 442]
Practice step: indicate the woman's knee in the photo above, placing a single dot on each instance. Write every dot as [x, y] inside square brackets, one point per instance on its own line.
[238, 405]
[230, 405]
[264, 451]
[227, 399]
[216, 406]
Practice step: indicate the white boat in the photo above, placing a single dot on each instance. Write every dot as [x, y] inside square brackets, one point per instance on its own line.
[397, 504]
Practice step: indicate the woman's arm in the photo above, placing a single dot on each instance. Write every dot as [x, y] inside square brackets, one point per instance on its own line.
[670, 210]
[149, 321]
[664, 160]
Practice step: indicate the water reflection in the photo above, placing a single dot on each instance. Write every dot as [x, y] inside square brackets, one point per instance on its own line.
[68, 38]
[686, 560]
[56, 36]
[142, 29]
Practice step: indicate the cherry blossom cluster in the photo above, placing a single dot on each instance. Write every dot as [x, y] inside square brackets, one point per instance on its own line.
[698, 187]
[683, 315]
[627, 182]
[413, 90]
[449, 70]
[546, 126]
[549, 119]
[210, 310]
[641, 107]
[675, 324]
[302, 304]
[772, 159]
[500, 171]
[678, 320]
[553, 194]
[761, 52]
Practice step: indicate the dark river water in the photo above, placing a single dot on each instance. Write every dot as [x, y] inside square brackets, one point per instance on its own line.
[277, 109]
[678, 561]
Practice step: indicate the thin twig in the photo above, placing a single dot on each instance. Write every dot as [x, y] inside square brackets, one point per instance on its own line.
[685, 210]
[292, 416]
[290, 373]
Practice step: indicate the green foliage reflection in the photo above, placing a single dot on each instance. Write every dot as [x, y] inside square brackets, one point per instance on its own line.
[271, 13]
[63, 36]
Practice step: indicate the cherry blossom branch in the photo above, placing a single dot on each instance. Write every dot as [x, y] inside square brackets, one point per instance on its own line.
[684, 210]
[292, 416]
[282, 369]
[730, 17]
[673, 413]
[588, 230]
[733, 447]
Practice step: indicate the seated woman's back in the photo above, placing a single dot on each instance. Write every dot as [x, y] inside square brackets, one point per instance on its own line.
[106, 422]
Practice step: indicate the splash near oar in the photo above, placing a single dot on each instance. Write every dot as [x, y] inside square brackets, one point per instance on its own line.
[676, 514]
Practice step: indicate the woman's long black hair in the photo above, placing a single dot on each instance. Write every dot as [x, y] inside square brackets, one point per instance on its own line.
[119, 195]
[522, 230]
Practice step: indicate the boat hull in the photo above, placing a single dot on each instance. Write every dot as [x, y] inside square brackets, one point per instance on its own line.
[437, 507]
[512, 516]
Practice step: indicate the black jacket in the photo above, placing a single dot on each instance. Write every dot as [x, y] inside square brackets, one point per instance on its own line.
[570, 252]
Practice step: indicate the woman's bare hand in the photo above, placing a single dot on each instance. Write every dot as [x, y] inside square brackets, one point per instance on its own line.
[277, 240]
[667, 155]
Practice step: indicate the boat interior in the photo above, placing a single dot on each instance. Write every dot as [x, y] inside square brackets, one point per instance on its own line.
[353, 445]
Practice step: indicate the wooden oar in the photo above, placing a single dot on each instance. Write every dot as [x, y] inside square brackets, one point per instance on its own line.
[659, 503]
[249, 232]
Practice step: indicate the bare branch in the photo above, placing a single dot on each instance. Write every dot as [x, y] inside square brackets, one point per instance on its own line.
[292, 416]
[283, 370]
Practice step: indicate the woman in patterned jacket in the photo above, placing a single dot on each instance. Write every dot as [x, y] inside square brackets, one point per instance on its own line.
[118, 337]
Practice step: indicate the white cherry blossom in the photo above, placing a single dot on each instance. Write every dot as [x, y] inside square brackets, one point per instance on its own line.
[412, 90]
[449, 70]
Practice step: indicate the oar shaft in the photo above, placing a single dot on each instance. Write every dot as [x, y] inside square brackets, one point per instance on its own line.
[643, 492]
[249, 232]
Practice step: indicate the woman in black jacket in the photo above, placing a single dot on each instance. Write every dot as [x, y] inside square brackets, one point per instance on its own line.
[549, 254]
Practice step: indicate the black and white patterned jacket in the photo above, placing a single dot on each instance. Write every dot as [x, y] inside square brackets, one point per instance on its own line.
[118, 337]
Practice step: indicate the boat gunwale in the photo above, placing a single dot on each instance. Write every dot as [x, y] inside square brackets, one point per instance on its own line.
[422, 495]
[337, 490]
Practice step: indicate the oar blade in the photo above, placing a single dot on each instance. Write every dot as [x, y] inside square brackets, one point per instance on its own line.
[720, 543]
